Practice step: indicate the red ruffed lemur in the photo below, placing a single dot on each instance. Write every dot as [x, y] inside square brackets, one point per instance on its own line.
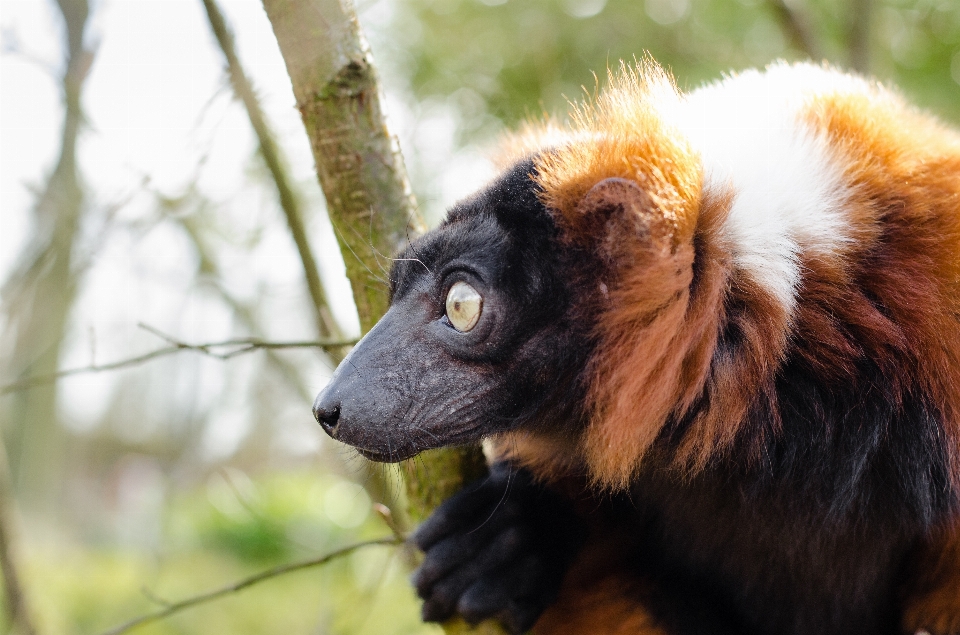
[712, 343]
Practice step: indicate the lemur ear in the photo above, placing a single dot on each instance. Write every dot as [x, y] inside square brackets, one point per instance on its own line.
[621, 216]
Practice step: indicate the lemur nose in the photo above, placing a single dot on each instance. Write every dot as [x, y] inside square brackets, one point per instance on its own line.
[327, 415]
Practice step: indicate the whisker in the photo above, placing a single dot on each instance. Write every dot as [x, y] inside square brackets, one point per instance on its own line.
[412, 260]
[359, 259]
[503, 498]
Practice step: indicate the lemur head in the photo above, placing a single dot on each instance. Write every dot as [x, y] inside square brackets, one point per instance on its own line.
[481, 336]
[496, 325]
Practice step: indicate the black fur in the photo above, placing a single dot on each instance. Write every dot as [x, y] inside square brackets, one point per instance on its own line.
[416, 383]
[808, 536]
[498, 549]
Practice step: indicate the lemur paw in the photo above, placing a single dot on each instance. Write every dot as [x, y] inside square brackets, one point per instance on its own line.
[498, 549]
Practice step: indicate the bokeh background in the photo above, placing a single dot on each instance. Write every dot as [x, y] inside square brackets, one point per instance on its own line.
[136, 210]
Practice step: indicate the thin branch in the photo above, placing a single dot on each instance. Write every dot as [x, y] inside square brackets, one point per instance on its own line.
[237, 347]
[244, 344]
[386, 514]
[798, 27]
[276, 164]
[153, 597]
[176, 607]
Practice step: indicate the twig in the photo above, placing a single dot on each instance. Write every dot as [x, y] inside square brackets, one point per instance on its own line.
[156, 599]
[243, 344]
[176, 607]
[386, 514]
[239, 346]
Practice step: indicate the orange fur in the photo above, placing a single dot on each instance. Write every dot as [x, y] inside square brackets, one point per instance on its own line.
[656, 344]
[933, 594]
[623, 134]
[604, 607]
[657, 333]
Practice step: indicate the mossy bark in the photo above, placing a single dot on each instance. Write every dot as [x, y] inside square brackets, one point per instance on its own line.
[358, 162]
[438, 474]
[368, 196]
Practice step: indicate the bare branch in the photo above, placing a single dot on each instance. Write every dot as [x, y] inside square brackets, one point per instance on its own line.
[234, 347]
[386, 514]
[283, 569]
[798, 27]
[272, 156]
[243, 344]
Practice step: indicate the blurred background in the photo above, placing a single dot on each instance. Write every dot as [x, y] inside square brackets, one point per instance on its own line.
[136, 213]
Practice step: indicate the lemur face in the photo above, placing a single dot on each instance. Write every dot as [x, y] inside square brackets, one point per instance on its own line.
[478, 338]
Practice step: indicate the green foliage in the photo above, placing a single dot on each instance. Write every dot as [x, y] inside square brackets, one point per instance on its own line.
[512, 59]
[220, 532]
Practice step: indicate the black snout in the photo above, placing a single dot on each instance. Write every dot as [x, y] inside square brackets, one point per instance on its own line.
[367, 401]
[327, 414]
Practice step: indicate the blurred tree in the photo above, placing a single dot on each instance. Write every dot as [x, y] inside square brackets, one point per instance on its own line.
[510, 59]
[17, 607]
[37, 298]
[39, 293]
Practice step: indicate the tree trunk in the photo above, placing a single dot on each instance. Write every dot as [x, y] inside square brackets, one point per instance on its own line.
[18, 610]
[37, 299]
[365, 185]
[358, 163]
[39, 293]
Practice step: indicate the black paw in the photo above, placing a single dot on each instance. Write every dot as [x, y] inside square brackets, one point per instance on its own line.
[498, 549]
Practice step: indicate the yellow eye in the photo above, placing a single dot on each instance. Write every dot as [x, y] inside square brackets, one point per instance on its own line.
[464, 306]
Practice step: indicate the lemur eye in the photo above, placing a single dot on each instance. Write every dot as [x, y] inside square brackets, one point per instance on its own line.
[464, 306]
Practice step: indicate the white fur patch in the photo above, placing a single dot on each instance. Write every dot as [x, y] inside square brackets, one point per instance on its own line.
[788, 188]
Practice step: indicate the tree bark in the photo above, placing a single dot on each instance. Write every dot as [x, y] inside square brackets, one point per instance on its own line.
[358, 162]
[364, 182]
